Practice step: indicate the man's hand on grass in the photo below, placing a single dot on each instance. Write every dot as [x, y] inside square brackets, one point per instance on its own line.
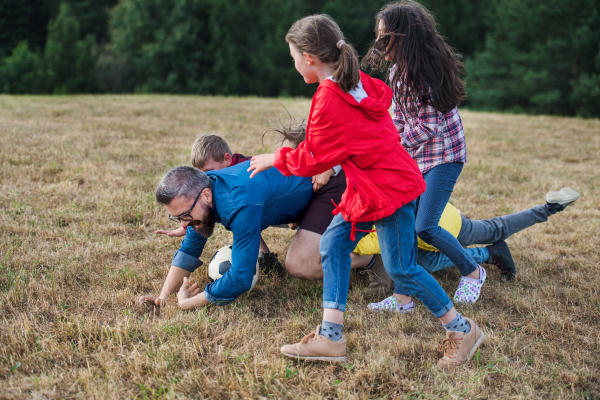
[186, 294]
[186, 291]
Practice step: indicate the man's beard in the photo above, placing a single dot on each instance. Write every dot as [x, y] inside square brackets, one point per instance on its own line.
[208, 223]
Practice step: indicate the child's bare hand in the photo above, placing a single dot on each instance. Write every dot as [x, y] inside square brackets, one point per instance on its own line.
[321, 180]
[261, 163]
[293, 225]
[174, 233]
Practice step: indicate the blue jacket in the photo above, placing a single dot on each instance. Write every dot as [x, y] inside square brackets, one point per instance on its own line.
[244, 206]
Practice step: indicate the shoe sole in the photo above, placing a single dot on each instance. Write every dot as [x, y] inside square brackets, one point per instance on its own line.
[315, 358]
[390, 311]
[475, 346]
[563, 196]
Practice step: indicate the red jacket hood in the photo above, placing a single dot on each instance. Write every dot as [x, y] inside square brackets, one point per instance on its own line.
[379, 96]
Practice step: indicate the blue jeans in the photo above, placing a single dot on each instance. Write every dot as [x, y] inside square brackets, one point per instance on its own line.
[430, 206]
[397, 239]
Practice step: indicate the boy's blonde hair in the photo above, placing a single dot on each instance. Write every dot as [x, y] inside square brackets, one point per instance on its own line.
[209, 146]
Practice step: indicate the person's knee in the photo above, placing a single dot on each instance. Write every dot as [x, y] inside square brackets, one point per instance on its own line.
[427, 233]
[292, 267]
[300, 268]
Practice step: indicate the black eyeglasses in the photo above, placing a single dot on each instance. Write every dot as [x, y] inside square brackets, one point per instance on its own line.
[180, 218]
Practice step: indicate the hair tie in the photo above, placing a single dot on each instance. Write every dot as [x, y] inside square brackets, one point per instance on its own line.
[340, 43]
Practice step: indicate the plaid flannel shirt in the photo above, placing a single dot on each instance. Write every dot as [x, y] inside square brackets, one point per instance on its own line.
[430, 137]
[238, 158]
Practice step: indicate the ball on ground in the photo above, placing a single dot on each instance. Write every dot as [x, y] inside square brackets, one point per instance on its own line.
[221, 263]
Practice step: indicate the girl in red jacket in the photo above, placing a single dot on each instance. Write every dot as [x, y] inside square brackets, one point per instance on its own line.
[349, 125]
[425, 77]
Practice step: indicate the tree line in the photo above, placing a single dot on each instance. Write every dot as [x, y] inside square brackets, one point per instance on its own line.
[535, 56]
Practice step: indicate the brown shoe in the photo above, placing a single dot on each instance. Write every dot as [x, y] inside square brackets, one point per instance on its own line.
[316, 347]
[379, 280]
[459, 347]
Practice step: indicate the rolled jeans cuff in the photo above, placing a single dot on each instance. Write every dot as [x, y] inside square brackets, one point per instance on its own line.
[185, 261]
[334, 305]
[212, 299]
[444, 310]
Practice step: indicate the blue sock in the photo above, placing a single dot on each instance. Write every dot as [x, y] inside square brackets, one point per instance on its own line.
[331, 331]
[458, 324]
[370, 264]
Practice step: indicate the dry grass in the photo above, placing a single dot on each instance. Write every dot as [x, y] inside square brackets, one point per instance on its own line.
[77, 216]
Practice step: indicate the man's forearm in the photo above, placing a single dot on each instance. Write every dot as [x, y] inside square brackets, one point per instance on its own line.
[173, 281]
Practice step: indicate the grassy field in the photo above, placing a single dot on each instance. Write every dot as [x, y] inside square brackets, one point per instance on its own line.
[77, 244]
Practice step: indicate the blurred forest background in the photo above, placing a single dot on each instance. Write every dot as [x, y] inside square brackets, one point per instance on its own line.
[533, 56]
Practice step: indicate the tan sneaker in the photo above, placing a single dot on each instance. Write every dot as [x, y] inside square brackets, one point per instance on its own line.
[379, 280]
[459, 347]
[316, 347]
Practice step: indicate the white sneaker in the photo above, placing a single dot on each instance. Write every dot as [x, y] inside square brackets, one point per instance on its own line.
[563, 196]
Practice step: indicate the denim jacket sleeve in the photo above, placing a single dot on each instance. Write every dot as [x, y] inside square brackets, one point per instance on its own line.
[246, 228]
[187, 257]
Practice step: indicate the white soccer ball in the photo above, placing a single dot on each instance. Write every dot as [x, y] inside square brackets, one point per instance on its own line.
[221, 263]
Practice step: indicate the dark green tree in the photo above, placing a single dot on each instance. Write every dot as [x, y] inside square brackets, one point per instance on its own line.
[463, 22]
[69, 57]
[166, 43]
[93, 16]
[24, 21]
[23, 72]
[537, 53]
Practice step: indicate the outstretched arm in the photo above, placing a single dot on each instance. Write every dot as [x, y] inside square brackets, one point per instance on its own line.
[246, 228]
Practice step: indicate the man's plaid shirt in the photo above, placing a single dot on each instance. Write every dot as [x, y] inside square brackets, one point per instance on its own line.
[430, 137]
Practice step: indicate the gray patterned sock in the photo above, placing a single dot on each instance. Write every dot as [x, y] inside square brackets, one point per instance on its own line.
[331, 331]
[458, 324]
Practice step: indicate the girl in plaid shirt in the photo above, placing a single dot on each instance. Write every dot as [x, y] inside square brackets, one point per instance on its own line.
[426, 78]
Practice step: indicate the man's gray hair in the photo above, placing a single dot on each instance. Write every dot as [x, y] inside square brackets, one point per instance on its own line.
[181, 181]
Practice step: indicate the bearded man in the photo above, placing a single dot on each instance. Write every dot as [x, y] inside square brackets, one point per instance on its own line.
[242, 205]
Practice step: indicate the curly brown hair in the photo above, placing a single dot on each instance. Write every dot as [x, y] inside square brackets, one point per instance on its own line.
[428, 69]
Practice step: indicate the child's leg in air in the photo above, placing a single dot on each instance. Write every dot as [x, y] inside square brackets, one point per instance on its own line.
[493, 230]
[327, 343]
[396, 239]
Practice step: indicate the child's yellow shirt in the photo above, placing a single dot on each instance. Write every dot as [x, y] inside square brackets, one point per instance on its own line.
[450, 221]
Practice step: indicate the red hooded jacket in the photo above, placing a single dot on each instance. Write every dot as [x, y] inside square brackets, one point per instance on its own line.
[356, 132]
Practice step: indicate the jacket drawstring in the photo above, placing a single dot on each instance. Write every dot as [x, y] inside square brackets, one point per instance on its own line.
[354, 229]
